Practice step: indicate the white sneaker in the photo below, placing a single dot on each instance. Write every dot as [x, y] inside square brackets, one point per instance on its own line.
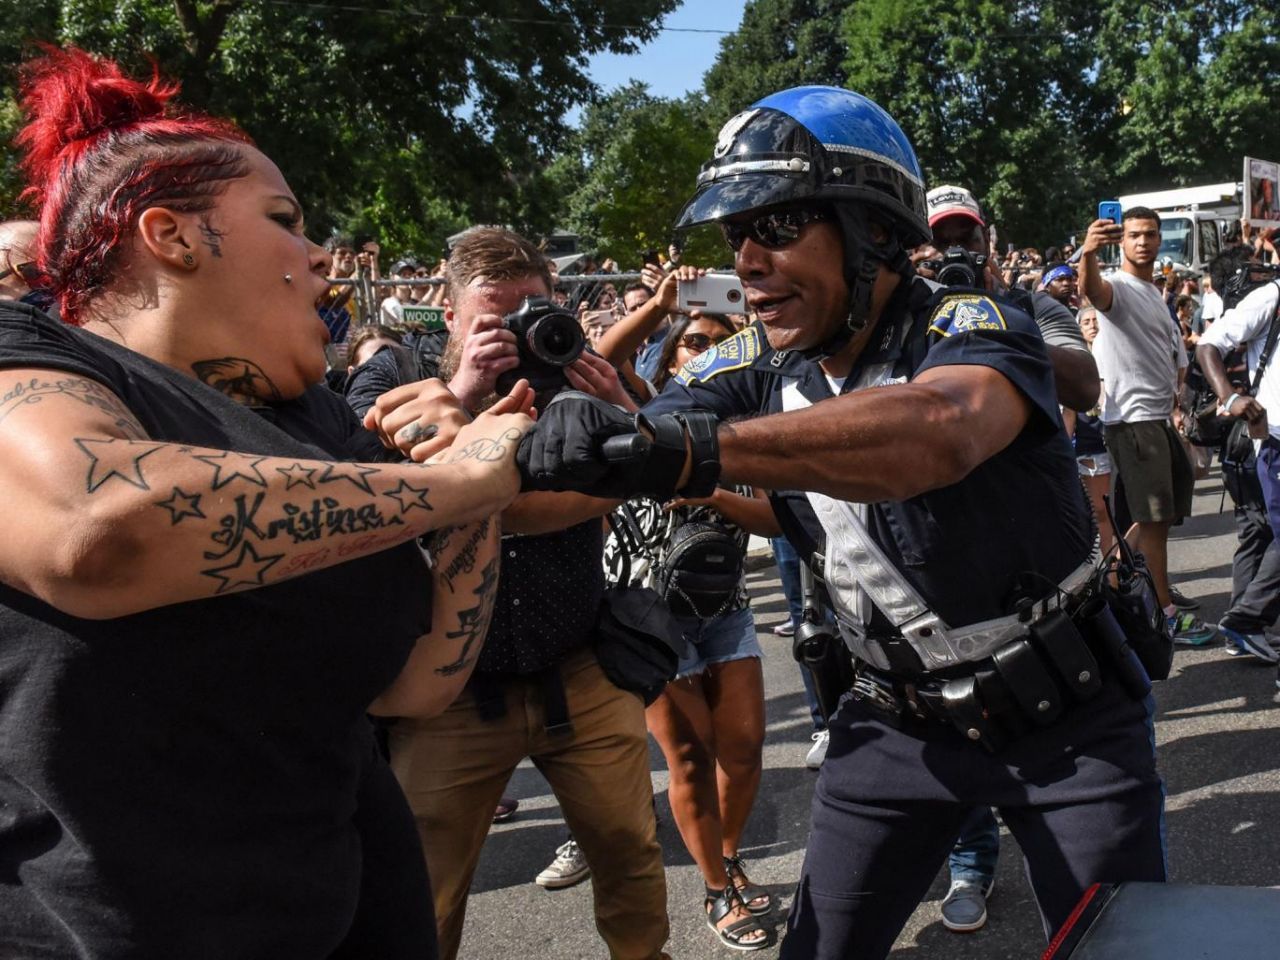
[818, 752]
[569, 867]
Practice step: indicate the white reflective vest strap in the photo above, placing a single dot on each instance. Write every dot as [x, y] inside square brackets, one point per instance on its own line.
[854, 560]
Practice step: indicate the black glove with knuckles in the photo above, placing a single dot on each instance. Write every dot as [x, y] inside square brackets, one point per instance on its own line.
[587, 445]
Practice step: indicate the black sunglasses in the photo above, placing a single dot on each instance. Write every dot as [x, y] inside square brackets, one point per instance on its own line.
[700, 342]
[27, 270]
[772, 230]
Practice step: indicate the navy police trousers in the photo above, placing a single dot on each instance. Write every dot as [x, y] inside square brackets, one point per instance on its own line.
[1082, 797]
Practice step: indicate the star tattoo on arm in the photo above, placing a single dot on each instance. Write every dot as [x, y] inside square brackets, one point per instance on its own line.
[182, 505]
[229, 466]
[119, 459]
[248, 569]
[409, 496]
[353, 473]
[297, 474]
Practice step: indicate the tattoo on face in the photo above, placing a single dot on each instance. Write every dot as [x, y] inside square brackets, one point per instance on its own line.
[115, 460]
[473, 622]
[487, 449]
[82, 390]
[240, 379]
[211, 238]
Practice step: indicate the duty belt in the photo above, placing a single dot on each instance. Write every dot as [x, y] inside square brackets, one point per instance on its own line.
[860, 561]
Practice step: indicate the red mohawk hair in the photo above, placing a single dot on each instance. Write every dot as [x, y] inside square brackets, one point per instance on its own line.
[100, 148]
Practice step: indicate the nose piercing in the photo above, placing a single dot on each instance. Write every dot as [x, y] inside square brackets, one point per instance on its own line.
[288, 278]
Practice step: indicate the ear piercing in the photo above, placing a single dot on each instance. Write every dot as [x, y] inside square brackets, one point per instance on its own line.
[189, 260]
[288, 278]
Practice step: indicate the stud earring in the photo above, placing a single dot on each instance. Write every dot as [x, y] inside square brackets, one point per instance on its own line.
[189, 260]
[288, 278]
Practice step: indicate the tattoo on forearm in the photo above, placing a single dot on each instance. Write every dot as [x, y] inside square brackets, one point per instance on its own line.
[464, 561]
[355, 474]
[115, 459]
[80, 389]
[300, 523]
[409, 496]
[240, 379]
[417, 432]
[295, 474]
[247, 570]
[228, 466]
[473, 622]
[487, 449]
[182, 505]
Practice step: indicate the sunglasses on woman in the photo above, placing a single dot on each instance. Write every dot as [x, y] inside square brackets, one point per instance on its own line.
[772, 230]
[700, 342]
[27, 270]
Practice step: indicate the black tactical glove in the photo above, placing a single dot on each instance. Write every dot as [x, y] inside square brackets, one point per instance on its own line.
[584, 444]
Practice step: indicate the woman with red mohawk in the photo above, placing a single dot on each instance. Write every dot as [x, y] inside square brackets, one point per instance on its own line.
[186, 768]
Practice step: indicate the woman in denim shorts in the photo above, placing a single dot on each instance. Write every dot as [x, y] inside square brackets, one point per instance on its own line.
[709, 721]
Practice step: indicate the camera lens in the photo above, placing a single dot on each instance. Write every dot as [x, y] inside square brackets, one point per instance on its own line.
[957, 275]
[556, 340]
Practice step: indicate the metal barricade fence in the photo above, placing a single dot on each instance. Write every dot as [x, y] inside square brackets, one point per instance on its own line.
[365, 305]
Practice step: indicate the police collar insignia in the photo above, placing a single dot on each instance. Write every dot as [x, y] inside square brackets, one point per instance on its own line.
[965, 313]
[733, 354]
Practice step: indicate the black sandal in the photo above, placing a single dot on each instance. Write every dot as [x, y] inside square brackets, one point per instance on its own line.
[752, 894]
[719, 904]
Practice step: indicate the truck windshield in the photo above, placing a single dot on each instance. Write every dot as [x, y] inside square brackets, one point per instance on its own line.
[1175, 239]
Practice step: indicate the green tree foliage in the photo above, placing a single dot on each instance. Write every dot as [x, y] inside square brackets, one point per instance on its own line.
[631, 168]
[1041, 107]
[780, 44]
[409, 119]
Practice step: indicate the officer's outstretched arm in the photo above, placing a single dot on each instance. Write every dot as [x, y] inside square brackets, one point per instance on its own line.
[886, 443]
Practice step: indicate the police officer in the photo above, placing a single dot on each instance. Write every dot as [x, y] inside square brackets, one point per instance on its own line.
[946, 519]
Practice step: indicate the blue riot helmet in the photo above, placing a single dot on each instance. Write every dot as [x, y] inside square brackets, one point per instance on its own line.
[827, 146]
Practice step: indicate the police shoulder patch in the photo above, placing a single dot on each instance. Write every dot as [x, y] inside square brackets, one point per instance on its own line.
[737, 352]
[964, 313]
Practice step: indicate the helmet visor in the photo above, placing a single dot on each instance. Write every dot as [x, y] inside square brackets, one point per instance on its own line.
[721, 199]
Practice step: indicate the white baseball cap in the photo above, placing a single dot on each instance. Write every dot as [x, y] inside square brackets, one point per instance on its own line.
[948, 201]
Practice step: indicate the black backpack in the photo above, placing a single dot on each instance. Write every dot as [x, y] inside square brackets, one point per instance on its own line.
[699, 569]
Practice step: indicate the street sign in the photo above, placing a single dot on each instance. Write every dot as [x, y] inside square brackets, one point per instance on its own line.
[428, 318]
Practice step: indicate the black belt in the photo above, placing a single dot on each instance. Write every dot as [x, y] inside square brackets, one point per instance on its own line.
[1026, 684]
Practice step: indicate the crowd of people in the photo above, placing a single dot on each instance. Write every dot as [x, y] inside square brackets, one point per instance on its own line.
[288, 597]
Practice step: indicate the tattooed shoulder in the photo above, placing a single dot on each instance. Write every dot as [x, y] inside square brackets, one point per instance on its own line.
[34, 390]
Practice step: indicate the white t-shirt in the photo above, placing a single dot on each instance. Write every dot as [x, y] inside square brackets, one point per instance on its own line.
[1247, 323]
[1137, 352]
[1210, 306]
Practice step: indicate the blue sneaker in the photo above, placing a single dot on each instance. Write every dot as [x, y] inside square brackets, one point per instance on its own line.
[1253, 644]
[1190, 631]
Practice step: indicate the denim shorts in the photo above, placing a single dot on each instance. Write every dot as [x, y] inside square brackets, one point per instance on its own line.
[1094, 465]
[717, 640]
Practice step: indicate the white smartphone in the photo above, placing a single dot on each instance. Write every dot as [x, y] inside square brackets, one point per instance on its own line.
[714, 293]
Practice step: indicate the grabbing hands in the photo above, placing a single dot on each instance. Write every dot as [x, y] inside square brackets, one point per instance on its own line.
[422, 419]
[594, 375]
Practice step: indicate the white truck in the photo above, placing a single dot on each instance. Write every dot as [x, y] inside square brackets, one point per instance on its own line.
[1192, 221]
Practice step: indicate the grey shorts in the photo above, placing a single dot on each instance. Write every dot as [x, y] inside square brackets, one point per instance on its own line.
[1154, 469]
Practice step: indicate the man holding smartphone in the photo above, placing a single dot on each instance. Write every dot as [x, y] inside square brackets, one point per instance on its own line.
[1141, 361]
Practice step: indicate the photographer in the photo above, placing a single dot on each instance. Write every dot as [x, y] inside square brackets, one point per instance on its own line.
[959, 229]
[538, 691]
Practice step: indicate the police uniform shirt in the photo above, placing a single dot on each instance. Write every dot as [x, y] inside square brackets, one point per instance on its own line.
[1015, 524]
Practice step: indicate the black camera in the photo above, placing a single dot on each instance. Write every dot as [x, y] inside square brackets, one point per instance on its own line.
[548, 338]
[958, 268]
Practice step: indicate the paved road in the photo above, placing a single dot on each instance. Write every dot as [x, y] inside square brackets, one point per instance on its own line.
[1219, 746]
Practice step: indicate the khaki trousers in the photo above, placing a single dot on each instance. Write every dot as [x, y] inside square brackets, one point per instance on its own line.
[453, 769]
